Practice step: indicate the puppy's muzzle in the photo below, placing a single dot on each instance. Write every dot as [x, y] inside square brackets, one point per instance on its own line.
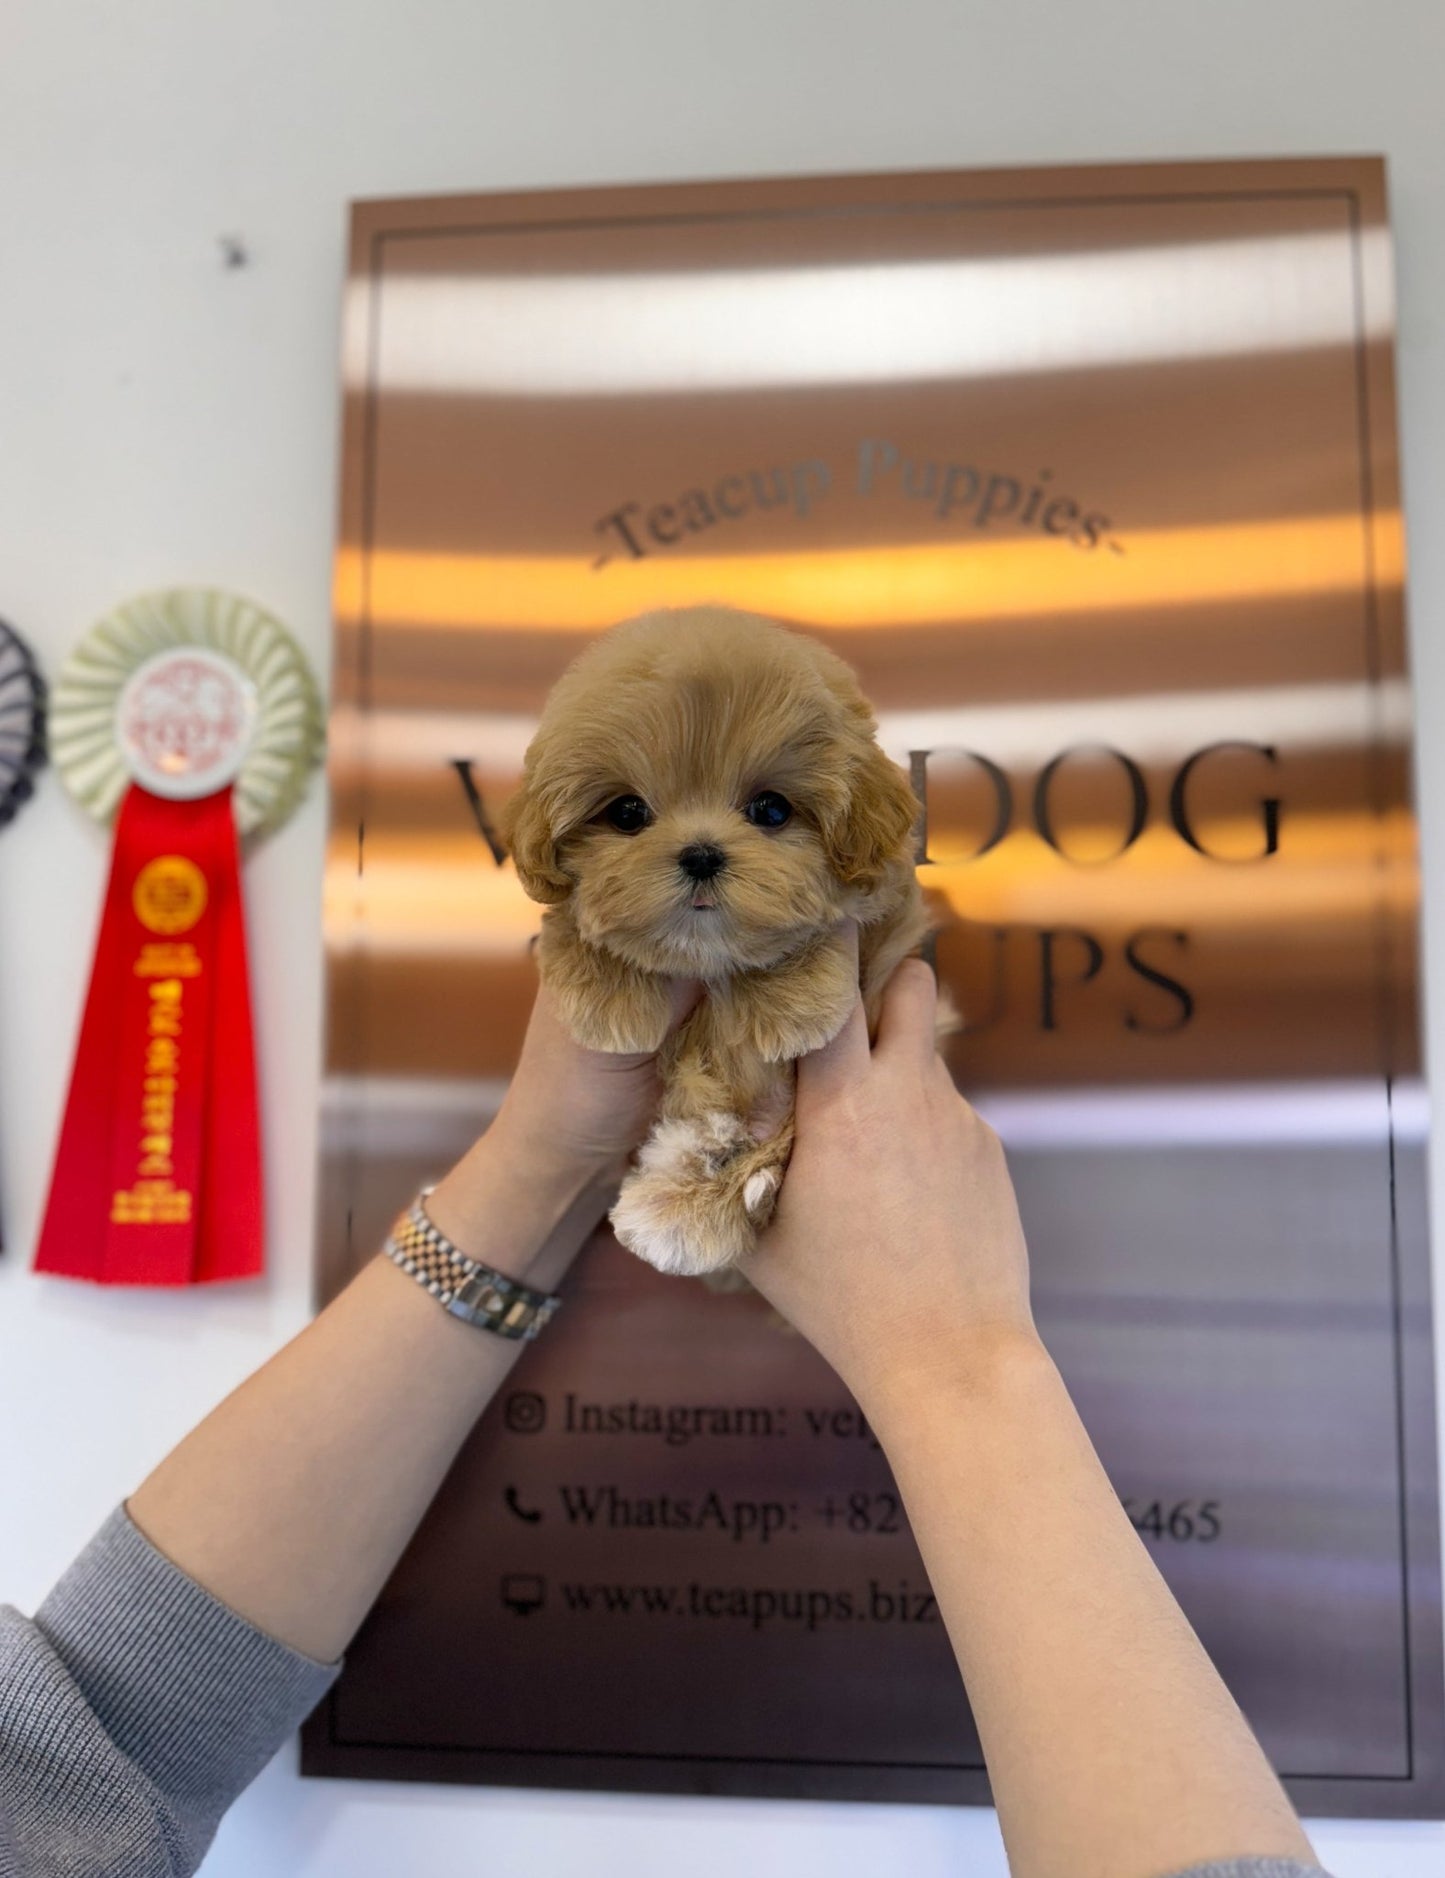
[701, 861]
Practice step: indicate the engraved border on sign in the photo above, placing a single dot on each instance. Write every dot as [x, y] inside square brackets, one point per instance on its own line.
[1349, 198]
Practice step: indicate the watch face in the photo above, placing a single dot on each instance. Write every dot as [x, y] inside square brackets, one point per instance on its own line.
[22, 722]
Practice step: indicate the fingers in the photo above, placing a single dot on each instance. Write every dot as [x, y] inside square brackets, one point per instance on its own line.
[683, 995]
[848, 938]
[822, 1072]
[906, 1019]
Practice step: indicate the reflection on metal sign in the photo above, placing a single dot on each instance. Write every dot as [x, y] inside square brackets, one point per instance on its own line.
[1092, 476]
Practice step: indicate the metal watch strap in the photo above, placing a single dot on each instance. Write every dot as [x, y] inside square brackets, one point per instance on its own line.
[473, 1292]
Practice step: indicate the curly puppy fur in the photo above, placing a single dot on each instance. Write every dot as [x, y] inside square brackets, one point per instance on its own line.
[696, 712]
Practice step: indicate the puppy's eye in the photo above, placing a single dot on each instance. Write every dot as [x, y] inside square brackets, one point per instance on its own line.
[628, 814]
[768, 809]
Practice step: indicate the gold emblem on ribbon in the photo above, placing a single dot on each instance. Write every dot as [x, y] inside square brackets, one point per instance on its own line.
[169, 895]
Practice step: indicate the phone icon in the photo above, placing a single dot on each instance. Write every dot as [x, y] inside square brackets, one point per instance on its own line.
[514, 1506]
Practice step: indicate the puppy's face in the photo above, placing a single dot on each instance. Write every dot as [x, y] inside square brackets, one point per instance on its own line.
[706, 789]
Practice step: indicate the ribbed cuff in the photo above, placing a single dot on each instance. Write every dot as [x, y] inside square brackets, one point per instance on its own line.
[1253, 1868]
[196, 1696]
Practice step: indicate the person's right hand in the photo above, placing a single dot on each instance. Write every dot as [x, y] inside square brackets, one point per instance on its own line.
[896, 1247]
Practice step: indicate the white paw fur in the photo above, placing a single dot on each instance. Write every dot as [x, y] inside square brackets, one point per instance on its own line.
[645, 1227]
[760, 1189]
[670, 1211]
[694, 1146]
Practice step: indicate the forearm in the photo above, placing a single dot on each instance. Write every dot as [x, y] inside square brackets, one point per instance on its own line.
[293, 1500]
[1112, 1744]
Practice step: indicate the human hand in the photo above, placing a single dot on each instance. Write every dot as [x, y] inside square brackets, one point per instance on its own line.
[896, 1247]
[550, 1162]
[578, 1109]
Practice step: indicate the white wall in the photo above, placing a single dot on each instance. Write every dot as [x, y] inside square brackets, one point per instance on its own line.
[164, 419]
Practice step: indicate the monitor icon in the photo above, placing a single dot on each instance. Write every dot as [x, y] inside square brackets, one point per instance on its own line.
[524, 1592]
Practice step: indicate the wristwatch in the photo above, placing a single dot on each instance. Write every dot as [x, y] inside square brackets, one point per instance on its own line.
[464, 1288]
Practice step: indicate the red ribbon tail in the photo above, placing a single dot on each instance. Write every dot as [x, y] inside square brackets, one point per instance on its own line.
[71, 1241]
[157, 1176]
[233, 1227]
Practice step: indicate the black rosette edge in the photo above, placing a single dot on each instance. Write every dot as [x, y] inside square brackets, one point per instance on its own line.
[22, 722]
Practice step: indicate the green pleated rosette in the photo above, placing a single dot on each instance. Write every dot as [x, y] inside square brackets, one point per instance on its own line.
[22, 722]
[289, 739]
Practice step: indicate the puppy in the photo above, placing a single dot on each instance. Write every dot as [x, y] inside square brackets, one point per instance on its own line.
[705, 798]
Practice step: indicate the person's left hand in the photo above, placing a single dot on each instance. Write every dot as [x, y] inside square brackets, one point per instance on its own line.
[584, 1110]
[557, 1148]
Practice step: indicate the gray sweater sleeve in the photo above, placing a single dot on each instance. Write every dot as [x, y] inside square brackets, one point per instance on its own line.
[135, 1707]
[1253, 1868]
[133, 1710]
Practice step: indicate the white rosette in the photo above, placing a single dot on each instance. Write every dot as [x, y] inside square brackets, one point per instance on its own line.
[274, 733]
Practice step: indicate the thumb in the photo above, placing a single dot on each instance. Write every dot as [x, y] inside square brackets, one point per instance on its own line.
[825, 1071]
[683, 997]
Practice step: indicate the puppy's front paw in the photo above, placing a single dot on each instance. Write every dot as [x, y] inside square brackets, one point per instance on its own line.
[781, 1035]
[784, 1013]
[619, 1019]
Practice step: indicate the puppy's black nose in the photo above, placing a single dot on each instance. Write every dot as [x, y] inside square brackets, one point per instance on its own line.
[701, 861]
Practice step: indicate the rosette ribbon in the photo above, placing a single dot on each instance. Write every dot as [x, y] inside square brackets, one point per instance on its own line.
[191, 717]
[22, 725]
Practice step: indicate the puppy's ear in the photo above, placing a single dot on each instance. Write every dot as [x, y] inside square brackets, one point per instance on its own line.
[527, 832]
[874, 823]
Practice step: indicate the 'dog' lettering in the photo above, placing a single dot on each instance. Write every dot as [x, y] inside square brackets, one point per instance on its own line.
[1047, 815]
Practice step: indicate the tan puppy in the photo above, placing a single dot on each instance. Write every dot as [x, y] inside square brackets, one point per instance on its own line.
[704, 798]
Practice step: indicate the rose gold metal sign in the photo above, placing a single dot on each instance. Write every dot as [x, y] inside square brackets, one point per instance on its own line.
[1092, 476]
